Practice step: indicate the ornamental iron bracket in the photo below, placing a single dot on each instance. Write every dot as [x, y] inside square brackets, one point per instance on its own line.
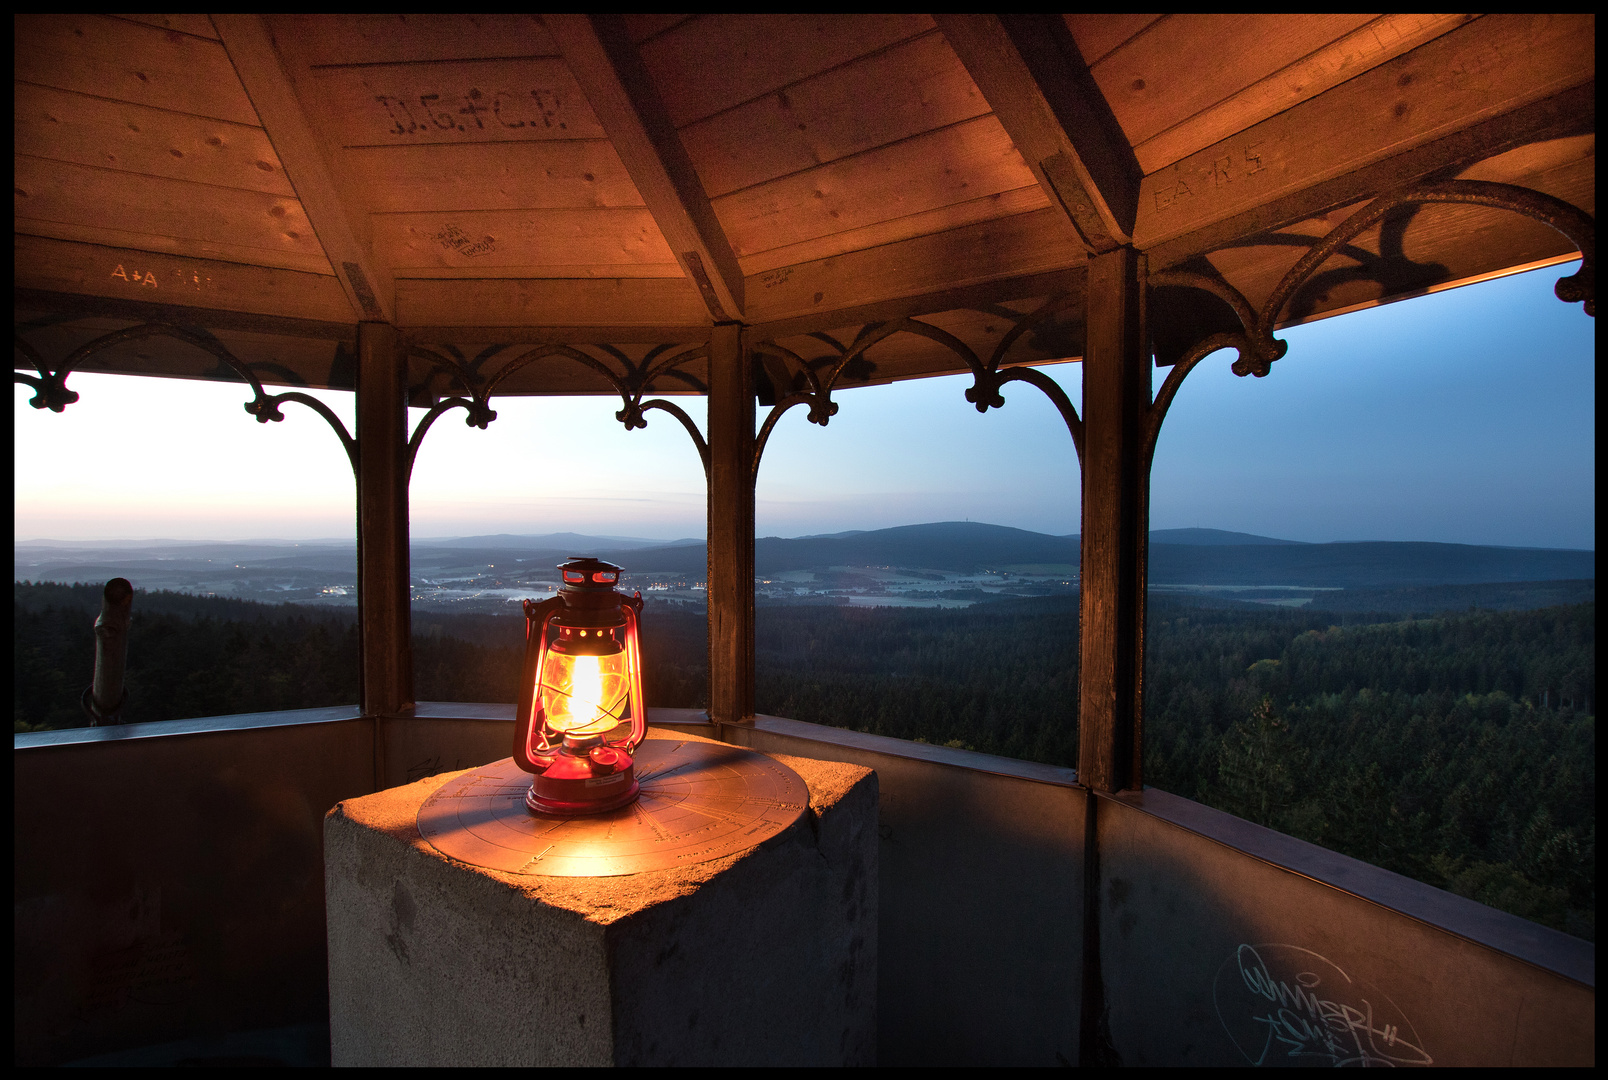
[477, 390]
[51, 391]
[811, 381]
[1255, 343]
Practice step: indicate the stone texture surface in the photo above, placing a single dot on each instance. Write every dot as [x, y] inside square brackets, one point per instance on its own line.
[767, 957]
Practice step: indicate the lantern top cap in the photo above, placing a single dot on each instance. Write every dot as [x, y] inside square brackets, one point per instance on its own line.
[588, 573]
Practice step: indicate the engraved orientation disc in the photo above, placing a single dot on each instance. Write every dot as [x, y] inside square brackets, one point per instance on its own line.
[699, 801]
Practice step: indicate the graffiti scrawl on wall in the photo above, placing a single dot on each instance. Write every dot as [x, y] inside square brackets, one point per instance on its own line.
[1284, 1005]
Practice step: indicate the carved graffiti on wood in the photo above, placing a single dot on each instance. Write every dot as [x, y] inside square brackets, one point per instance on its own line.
[473, 110]
[1284, 1005]
[1224, 169]
[147, 278]
[456, 240]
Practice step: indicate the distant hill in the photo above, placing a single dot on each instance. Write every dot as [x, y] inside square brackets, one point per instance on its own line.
[946, 545]
[1177, 557]
[1212, 538]
[564, 541]
[1204, 557]
[1373, 564]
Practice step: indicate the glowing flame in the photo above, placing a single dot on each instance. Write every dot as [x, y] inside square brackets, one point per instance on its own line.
[584, 695]
[586, 691]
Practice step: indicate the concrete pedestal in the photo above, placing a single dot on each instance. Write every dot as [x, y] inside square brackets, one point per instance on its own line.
[764, 958]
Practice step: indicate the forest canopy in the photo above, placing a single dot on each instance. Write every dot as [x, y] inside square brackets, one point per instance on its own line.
[1458, 749]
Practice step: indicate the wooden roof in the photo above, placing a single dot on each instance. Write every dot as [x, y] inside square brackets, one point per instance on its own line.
[623, 183]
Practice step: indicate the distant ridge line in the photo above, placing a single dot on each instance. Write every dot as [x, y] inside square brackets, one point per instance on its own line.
[1178, 556]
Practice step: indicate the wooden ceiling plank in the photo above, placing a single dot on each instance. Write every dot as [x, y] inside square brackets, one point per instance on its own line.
[1560, 116]
[192, 23]
[338, 223]
[641, 26]
[483, 303]
[1537, 164]
[1491, 66]
[550, 175]
[184, 213]
[1022, 200]
[129, 61]
[957, 164]
[1190, 62]
[1100, 35]
[919, 86]
[454, 102]
[545, 270]
[61, 125]
[1029, 70]
[628, 105]
[1385, 38]
[92, 270]
[621, 237]
[312, 263]
[1006, 248]
[716, 62]
[351, 38]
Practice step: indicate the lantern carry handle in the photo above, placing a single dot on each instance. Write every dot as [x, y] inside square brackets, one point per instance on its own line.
[530, 716]
[633, 657]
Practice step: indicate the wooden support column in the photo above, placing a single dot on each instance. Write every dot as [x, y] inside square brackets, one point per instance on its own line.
[384, 600]
[1116, 523]
[731, 528]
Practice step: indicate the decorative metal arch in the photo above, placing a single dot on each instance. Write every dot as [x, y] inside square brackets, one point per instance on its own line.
[821, 374]
[1255, 343]
[50, 389]
[477, 391]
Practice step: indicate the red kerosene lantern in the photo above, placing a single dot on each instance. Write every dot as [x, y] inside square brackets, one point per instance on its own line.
[581, 683]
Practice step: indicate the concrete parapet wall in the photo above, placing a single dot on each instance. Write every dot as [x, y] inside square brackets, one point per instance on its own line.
[167, 878]
[982, 891]
[1273, 951]
[767, 957]
[160, 894]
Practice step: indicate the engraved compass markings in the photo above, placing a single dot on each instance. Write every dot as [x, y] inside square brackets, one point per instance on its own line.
[704, 763]
[699, 801]
[536, 859]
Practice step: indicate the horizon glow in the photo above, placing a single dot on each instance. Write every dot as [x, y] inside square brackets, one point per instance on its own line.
[1467, 416]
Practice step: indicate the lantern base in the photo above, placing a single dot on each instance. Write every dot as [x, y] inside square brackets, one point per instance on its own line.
[585, 777]
[576, 796]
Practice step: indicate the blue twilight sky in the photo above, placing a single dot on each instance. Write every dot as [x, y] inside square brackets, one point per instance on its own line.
[1467, 416]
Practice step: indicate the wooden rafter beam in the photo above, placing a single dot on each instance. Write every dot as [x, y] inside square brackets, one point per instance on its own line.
[81, 305]
[1000, 291]
[228, 290]
[1007, 248]
[1031, 74]
[627, 104]
[338, 222]
[1412, 109]
[1570, 113]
